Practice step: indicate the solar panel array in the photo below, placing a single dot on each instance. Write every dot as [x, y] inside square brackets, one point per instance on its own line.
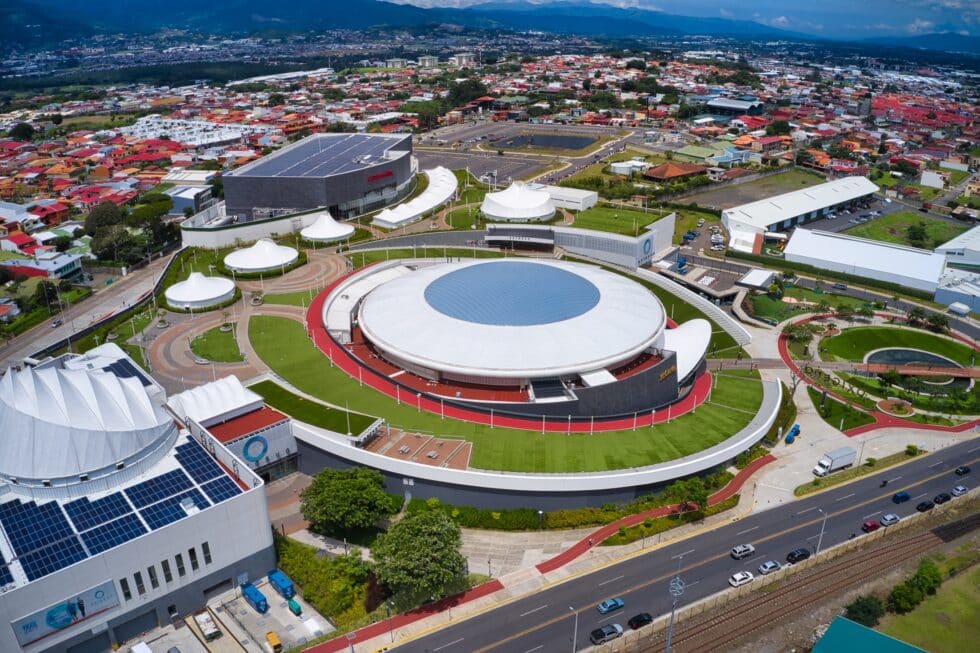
[158, 488]
[221, 489]
[30, 526]
[198, 463]
[47, 560]
[167, 512]
[107, 536]
[124, 370]
[322, 156]
[5, 575]
[87, 514]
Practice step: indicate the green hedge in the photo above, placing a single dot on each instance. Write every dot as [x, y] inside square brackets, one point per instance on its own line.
[784, 418]
[782, 264]
[653, 526]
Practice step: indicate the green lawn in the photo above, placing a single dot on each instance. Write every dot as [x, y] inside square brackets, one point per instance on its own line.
[360, 259]
[729, 196]
[310, 412]
[835, 410]
[944, 622]
[845, 475]
[217, 346]
[766, 307]
[893, 228]
[298, 298]
[853, 343]
[616, 219]
[465, 218]
[283, 345]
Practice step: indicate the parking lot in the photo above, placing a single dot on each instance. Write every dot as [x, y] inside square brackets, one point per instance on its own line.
[844, 221]
[249, 627]
[508, 167]
[161, 640]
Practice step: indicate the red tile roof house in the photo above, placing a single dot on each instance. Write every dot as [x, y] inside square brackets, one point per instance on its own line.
[673, 170]
[18, 242]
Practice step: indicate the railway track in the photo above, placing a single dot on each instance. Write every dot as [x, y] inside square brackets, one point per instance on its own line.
[742, 618]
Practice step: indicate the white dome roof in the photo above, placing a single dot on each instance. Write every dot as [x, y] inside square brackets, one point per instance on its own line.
[327, 229]
[219, 398]
[263, 255]
[59, 423]
[518, 202]
[199, 290]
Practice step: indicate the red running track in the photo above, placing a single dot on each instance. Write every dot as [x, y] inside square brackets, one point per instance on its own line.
[881, 420]
[340, 357]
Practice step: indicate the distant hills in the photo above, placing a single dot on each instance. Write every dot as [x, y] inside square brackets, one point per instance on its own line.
[30, 22]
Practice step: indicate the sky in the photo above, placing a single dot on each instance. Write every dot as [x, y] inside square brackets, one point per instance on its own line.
[827, 18]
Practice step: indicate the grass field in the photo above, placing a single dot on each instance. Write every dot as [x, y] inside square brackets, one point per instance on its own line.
[767, 307]
[893, 228]
[838, 415]
[845, 475]
[729, 196]
[311, 412]
[944, 622]
[596, 169]
[298, 298]
[615, 219]
[218, 346]
[283, 345]
[853, 343]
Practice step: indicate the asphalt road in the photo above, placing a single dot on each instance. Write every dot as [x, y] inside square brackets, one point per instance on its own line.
[545, 620]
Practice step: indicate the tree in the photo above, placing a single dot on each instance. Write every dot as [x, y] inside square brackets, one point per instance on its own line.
[778, 128]
[916, 314]
[865, 610]
[419, 558]
[637, 64]
[45, 293]
[105, 214]
[938, 322]
[462, 92]
[865, 312]
[687, 491]
[916, 233]
[345, 500]
[276, 100]
[927, 577]
[844, 312]
[21, 132]
[904, 597]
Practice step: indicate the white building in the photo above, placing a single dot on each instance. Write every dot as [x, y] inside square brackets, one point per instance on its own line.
[907, 266]
[263, 256]
[797, 207]
[573, 199]
[518, 203]
[114, 517]
[199, 292]
[964, 249]
[327, 230]
[959, 287]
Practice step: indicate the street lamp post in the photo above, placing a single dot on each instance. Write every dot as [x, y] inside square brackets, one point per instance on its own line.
[822, 526]
[574, 630]
[540, 519]
[676, 590]
[391, 631]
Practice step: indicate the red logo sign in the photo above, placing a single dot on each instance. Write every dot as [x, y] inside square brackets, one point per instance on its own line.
[380, 175]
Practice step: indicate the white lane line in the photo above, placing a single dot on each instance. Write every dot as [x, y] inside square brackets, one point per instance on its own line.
[747, 530]
[936, 464]
[973, 449]
[457, 641]
[846, 496]
[751, 560]
[871, 515]
[541, 607]
[536, 648]
[611, 580]
[892, 480]
[681, 555]
[686, 585]
[807, 510]
[924, 494]
[613, 615]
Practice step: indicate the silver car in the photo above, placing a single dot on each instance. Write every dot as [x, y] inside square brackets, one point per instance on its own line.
[959, 490]
[889, 519]
[768, 567]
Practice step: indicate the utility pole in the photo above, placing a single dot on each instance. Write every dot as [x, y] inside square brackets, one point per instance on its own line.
[676, 590]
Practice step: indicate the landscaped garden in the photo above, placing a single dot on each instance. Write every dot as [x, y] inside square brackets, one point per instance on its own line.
[311, 412]
[839, 415]
[218, 345]
[854, 343]
[912, 228]
[284, 346]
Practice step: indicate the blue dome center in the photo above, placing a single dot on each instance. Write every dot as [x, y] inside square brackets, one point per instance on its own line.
[512, 293]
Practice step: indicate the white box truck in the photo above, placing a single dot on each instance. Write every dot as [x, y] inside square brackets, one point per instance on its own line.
[834, 460]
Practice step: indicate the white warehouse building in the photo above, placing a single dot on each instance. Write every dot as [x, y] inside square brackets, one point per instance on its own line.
[963, 250]
[115, 517]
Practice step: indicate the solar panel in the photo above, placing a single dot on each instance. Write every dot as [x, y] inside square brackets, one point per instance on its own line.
[124, 370]
[5, 576]
[220, 489]
[30, 526]
[52, 558]
[198, 463]
[169, 511]
[113, 534]
[87, 514]
[158, 488]
[321, 156]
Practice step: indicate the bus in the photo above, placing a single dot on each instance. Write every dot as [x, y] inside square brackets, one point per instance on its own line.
[208, 628]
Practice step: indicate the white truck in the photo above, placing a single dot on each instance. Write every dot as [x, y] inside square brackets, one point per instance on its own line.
[834, 460]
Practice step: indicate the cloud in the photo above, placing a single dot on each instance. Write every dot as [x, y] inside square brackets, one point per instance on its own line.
[780, 21]
[726, 14]
[919, 26]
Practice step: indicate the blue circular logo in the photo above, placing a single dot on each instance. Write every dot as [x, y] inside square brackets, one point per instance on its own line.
[647, 246]
[255, 449]
[58, 617]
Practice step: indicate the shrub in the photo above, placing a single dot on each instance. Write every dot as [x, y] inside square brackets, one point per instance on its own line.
[865, 610]
[904, 597]
[911, 450]
[870, 462]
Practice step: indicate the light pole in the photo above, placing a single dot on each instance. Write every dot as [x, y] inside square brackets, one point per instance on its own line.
[540, 519]
[391, 630]
[574, 630]
[822, 526]
[676, 590]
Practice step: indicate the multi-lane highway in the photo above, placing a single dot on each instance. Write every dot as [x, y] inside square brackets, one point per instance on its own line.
[544, 621]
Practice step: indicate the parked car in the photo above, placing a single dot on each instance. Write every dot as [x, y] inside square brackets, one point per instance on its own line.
[740, 578]
[605, 634]
[797, 555]
[889, 519]
[942, 497]
[962, 470]
[610, 605]
[870, 526]
[925, 506]
[56, 323]
[742, 551]
[960, 490]
[639, 621]
[901, 497]
[717, 248]
[768, 567]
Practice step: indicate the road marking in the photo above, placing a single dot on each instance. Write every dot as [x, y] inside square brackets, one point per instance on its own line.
[611, 580]
[872, 515]
[807, 510]
[924, 494]
[524, 614]
[846, 496]
[751, 560]
[686, 585]
[681, 555]
[892, 480]
[457, 641]
[612, 615]
[536, 648]
[973, 449]
[937, 464]
[747, 530]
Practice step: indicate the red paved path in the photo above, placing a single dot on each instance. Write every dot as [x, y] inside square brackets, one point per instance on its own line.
[881, 420]
[340, 357]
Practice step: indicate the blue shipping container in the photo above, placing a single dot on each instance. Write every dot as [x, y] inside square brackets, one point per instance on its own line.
[255, 598]
[281, 584]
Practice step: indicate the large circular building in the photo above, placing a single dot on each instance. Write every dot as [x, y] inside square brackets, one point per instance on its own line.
[199, 291]
[533, 337]
[263, 256]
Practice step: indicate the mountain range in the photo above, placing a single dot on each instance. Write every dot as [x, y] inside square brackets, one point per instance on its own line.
[30, 22]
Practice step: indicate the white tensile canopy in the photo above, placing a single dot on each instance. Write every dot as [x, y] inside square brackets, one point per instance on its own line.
[517, 202]
[441, 188]
[327, 230]
[200, 291]
[263, 255]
